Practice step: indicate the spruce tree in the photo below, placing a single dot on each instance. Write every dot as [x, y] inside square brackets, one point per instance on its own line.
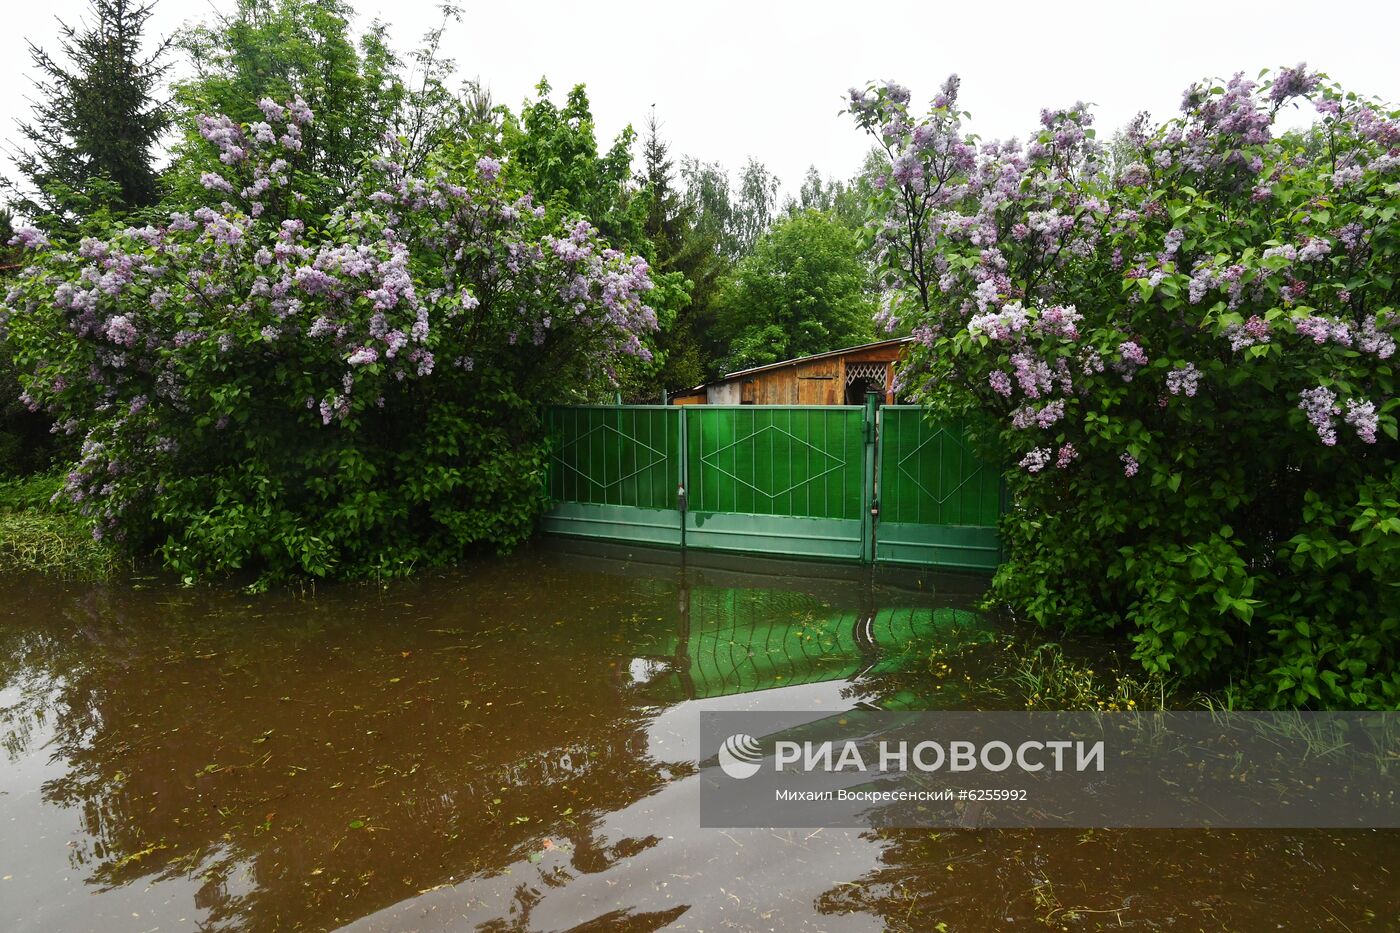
[96, 119]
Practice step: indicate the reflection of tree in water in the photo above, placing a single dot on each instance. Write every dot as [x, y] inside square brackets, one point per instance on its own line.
[312, 770]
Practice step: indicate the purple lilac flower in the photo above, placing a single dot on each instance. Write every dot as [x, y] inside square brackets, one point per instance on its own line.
[29, 238]
[1293, 82]
[1373, 340]
[1172, 242]
[1320, 405]
[1351, 236]
[1066, 456]
[1032, 374]
[1183, 381]
[1130, 352]
[1314, 249]
[1362, 416]
[364, 356]
[1000, 383]
[1000, 325]
[298, 111]
[1036, 460]
[1203, 279]
[1060, 321]
[488, 168]
[1029, 416]
[1130, 465]
[1136, 175]
[1346, 175]
[121, 330]
[215, 182]
[1255, 330]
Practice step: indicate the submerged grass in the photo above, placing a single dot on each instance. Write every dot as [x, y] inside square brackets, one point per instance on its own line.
[1048, 679]
[1045, 676]
[36, 536]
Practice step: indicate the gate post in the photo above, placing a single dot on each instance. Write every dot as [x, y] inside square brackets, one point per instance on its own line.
[869, 507]
[683, 473]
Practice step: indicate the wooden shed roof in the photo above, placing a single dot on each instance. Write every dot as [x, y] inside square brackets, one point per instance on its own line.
[894, 341]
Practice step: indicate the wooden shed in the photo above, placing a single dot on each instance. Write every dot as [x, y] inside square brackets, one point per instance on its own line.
[839, 377]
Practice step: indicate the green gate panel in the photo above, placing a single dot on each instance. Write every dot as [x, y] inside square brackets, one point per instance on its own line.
[957, 547]
[614, 522]
[939, 502]
[776, 479]
[774, 534]
[614, 472]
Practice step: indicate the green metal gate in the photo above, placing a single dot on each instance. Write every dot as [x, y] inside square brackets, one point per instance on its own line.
[776, 479]
[615, 472]
[939, 503]
[793, 480]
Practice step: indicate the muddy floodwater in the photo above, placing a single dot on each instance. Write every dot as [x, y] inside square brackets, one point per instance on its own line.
[512, 747]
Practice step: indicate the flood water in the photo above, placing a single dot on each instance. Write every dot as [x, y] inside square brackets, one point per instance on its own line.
[512, 747]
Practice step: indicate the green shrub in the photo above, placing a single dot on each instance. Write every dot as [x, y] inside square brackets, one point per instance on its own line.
[265, 388]
[1183, 346]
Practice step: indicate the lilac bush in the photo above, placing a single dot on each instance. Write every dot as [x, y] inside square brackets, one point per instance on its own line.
[1181, 344]
[356, 393]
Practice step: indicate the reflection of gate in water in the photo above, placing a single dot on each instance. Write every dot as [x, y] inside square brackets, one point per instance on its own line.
[733, 641]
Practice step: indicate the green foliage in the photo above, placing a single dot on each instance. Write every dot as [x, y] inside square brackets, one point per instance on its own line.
[681, 250]
[554, 152]
[37, 536]
[441, 478]
[848, 202]
[27, 442]
[87, 150]
[283, 49]
[802, 290]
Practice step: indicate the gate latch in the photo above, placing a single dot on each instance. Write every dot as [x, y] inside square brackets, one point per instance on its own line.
[680, 497]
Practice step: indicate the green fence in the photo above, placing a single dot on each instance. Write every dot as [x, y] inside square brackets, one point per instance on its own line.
[938, 502]
[784, 479]
[615, 472]
[798, 480]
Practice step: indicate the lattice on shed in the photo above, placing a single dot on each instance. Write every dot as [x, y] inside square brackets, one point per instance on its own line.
[874, 372]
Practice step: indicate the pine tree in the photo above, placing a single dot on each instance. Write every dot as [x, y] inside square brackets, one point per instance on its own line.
[96, 119]
[681, 242]
[665, 223]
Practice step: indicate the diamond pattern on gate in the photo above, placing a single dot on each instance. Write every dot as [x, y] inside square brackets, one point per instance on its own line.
[943, 437]
[752, 439]
[653, 456]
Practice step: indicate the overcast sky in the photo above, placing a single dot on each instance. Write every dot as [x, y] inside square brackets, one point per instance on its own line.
[767, 79]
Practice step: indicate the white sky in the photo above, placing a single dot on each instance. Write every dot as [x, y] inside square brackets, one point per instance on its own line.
[767, 79]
